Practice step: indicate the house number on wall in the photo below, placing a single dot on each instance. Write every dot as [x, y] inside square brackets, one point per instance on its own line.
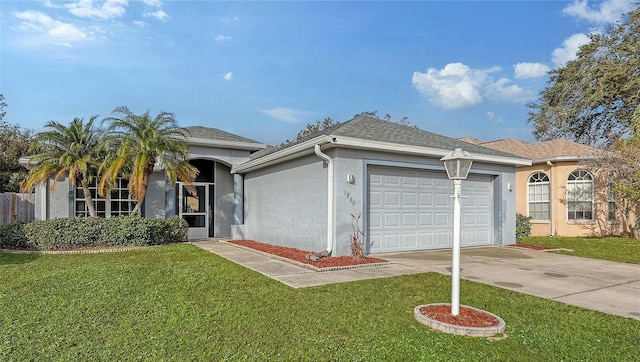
[351, 200]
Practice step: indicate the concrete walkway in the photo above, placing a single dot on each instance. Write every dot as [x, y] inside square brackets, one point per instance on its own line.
[600, 285]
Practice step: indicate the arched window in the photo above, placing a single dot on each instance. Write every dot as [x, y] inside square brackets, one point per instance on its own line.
[538, 196]
[579, 196]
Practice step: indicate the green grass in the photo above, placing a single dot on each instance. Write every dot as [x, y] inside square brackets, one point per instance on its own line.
[620, 249]
[181, 303]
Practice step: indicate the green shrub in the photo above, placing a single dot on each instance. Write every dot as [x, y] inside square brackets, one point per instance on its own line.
[134, 230]
[523, 226]
[177, 229]
[79, 232]
[12, 237]
[64, 233]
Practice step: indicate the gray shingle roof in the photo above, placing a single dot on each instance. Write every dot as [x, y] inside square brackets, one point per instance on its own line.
[374, 129]
[215, 134]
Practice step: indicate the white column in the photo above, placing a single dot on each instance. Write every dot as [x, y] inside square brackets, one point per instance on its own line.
[455, 254]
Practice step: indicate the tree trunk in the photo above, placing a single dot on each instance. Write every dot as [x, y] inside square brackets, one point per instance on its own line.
[148, 170]
[89, 199]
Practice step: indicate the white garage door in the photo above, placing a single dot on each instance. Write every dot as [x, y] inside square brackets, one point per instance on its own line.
[413, 210]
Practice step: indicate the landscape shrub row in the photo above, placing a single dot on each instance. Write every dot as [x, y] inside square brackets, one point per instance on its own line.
[81, 232]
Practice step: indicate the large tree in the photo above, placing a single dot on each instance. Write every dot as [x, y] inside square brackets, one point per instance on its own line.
[138, 143]
[593, 98]
[14, 143]
[71, 151]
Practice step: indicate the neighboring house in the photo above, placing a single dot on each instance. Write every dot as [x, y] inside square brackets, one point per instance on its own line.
[559, 191]
[309, 193]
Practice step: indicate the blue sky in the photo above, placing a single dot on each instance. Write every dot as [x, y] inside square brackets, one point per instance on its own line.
[265, 69]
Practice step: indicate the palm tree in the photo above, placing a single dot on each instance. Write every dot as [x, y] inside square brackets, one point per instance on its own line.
[71, 151]
[139, 143]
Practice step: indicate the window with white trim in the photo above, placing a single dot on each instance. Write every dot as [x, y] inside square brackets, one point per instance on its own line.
[580, 196]
[118, 203]
[538, 196]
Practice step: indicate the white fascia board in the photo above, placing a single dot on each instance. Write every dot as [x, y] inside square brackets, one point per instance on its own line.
[301, 149]
[250, 146]
[564, 159]
[424, 151]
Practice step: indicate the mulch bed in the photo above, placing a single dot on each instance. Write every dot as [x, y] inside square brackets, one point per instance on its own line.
[301, 255]
[466, 317]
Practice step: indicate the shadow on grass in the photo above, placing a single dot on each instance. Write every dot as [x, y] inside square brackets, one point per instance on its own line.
[15, 258]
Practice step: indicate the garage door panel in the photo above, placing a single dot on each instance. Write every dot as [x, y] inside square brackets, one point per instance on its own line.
[410, 240]
[409, 198]
[391, 198]
[391, 220]
[409, 220]
[413, 209]
[442, 219]
[374, 198]
[426, 219]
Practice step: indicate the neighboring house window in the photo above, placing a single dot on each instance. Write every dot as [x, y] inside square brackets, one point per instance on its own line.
[539, 196]
[580, 196]
[119, 202]
[612, 196]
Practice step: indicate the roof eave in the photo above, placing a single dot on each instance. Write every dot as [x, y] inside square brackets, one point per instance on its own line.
[285, 154]
[424, 151]
[563, 159]
[250, 146]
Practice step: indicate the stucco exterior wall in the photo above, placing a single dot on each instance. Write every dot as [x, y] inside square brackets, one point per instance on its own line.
[225, 155]
[559, 223]
[224, 201]
[154, 201]
[286, 204]
[58, 202]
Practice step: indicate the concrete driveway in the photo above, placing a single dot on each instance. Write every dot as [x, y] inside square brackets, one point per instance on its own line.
[600, 285]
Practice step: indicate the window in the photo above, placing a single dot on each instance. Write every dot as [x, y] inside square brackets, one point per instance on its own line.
[612, 196]
[119, 202]
[580, 196]
[538, 196]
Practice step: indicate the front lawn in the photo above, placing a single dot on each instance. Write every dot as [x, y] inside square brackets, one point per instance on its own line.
[182, 303]
[613, 248]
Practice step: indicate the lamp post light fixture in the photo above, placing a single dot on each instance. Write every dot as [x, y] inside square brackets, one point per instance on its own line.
[457, 163]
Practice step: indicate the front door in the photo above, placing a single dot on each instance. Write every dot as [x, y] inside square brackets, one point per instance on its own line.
[195, 209]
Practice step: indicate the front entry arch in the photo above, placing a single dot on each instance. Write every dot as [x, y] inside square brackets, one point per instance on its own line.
[210, 212]
[197, 209]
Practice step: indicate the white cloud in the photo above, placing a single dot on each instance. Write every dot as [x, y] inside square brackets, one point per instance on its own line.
[222, 38]
[458, 86]
[227, 76]
[158, 14]
[502, 90]
[570, 46]
[530, 70]
[494, 118]
[153, 3]
[140, 23]
[98, 9]
[609, 12]
[285, 114]
[48, 30]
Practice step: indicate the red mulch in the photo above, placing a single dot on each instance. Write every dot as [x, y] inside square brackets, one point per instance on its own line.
[467, 317]
[301, 255]
[533, 247]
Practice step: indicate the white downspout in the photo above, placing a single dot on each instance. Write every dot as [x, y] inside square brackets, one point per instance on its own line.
[552, 211]
[330, 191]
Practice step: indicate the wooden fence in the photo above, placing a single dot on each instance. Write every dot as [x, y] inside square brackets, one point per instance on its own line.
[16, 207]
